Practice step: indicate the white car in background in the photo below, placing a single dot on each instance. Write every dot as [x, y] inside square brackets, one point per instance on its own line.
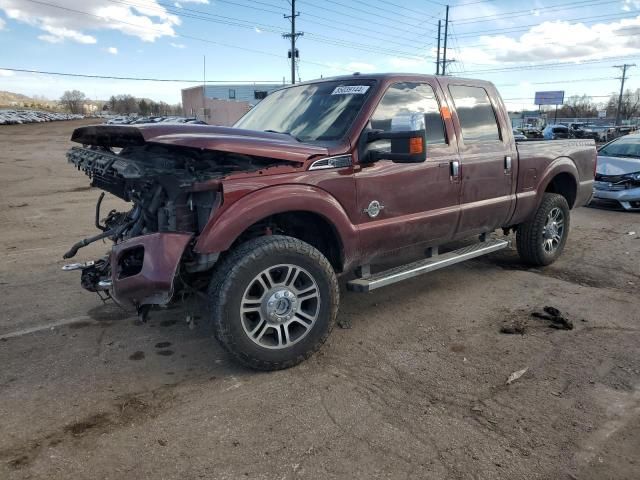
[518, 135]
[617, 181]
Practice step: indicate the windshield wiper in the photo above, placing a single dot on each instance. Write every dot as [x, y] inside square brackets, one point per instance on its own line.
[284, 133]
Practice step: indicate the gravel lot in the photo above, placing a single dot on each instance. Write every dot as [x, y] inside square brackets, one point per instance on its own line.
[415, 389]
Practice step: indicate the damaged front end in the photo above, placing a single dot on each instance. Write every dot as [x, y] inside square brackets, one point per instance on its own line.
[173, 192]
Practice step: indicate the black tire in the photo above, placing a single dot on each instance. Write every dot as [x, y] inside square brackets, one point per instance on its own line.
[530, 236]
[233, 279]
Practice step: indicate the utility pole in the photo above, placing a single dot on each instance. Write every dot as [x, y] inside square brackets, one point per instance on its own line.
[446, 33]
[293, 53]
[623, 78]
[438, 54]
[204, 86]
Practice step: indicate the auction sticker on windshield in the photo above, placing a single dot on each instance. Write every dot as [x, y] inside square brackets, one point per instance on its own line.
[350, 90]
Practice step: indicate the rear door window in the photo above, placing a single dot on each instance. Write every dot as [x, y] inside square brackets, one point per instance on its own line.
[477, 118]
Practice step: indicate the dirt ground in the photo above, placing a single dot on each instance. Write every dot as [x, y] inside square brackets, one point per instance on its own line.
[415, 389]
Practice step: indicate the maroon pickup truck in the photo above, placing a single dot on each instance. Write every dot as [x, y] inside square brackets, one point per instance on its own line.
[320, 179]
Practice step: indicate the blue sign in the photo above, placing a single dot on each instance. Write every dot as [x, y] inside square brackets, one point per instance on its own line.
[549, 98]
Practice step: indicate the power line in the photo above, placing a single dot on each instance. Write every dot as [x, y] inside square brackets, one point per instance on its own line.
[520, 13]
[143, 79]
[471, 3]
[361, 11]
[526, 27]
[546, 66]
[409, 9]
[276, 29]
[269, 28]
[352, 27]
[181, 35]
[635, 29]
[556, 82]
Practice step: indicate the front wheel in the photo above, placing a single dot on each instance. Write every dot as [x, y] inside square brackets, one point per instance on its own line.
[541, 240]
[274, 301]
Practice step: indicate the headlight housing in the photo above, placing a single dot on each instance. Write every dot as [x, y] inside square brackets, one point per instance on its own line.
[633, 176]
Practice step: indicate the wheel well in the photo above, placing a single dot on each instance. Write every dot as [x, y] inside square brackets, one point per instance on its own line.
[565, 185]
[306, 226]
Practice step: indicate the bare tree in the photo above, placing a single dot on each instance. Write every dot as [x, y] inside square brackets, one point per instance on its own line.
[578, 106]
[73, 100]
[630, 106]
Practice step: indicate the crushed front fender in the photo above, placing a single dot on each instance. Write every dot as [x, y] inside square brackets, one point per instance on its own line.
[150, 282]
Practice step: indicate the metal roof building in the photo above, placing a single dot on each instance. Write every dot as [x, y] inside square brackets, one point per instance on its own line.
[223, 104]
[251, 93]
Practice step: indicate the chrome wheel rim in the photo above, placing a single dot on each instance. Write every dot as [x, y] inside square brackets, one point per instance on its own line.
[553, 230]
[280, 306]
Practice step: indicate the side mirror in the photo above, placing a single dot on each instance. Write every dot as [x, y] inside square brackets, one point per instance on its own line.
[408, 138]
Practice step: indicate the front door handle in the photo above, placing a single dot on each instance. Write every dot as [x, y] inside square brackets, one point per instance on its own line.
[507, 164]
[455, 170]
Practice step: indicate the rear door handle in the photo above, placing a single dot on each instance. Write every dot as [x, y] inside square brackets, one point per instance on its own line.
[455, 170]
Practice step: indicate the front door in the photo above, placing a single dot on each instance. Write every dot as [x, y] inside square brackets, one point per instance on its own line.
[400, 205]
[487, 160]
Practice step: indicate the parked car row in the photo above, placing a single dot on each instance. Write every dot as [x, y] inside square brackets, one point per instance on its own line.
[130, 120]
[12, 117]
[599, 133]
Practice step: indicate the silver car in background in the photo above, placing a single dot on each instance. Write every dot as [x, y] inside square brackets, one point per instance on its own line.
[618, 173]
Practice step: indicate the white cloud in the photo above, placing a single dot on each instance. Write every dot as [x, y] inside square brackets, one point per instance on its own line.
[257, 30]
[177, 45]
[146, 19]
[59, 34]
[6, 73]
[558, 41]
[112, 50]
[201, 2]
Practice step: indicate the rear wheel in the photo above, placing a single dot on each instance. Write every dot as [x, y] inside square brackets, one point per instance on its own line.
[273, 302]
[541, 240]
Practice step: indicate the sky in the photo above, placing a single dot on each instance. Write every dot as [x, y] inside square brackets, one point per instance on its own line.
[522, 47]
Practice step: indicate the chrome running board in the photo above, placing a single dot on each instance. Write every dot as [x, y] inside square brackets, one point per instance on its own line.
[403, 272]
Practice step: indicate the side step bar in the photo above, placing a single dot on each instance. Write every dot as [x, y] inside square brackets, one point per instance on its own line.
[403, 272]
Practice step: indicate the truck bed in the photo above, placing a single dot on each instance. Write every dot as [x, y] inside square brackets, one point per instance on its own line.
[575, 157]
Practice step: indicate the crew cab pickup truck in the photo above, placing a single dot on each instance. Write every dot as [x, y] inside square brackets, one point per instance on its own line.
[320, 179]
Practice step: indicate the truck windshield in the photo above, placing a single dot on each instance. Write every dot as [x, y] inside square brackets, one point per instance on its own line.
[318, 111]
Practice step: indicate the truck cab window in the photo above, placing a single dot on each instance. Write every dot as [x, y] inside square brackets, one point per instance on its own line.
[410, 97]
[477, 118]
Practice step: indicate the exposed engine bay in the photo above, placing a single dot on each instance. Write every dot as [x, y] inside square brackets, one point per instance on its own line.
[167, 188]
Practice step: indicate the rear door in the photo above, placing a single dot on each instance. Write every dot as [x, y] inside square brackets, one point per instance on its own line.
[488, 158]
[404, 204]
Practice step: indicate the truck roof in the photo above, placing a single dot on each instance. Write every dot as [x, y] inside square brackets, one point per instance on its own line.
[392, 76]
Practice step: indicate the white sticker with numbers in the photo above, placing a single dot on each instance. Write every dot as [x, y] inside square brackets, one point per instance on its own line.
[350, 90]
